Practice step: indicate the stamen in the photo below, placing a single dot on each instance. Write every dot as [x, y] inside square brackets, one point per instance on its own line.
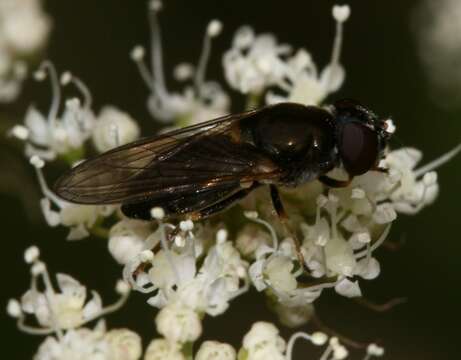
[67, 78]
[49, 294]
[146, 256]
[213, 29]
[122, 287]
[377, 243]
[340, 14]
[32, 330]
[221, 236]
[438, 162]
[373, 350]
[114, 307]
[14, 308]
[156, 49]
[326, 353]
[20, 132]
[291, 343]
[186, 225]
[137, 55]
[179, 241]
[183, 72]
[55, 90]
[31, 254]
[38, 164]
[157, 213]
[253, 215]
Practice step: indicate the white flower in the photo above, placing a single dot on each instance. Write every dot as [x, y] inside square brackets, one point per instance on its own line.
[79, 218]
[114, 128]
[203, 100]
[75, 345]
[302, 82]
[127, 239]
[53, 135]
[161, 349]
[213, 350]
[254, 62]
[84, 343]
[178, 323]
[56, 310]
[65, 309]
[279, 273]
[410, 193]
[263, 342]
[124, 344]
[340, 258]
[173, 273]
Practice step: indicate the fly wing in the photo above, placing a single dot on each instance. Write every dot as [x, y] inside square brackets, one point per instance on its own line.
[188, 160]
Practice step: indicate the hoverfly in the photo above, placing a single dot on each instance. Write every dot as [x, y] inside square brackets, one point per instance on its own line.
[203, 169]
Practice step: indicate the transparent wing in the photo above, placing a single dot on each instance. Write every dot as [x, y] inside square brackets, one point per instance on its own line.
[188, 160]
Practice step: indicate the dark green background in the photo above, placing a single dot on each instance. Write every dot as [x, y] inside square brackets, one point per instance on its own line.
[93, 39]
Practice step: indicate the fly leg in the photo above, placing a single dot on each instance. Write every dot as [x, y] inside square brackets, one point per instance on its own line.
[281, 213]
[334, 183]
[223, 204]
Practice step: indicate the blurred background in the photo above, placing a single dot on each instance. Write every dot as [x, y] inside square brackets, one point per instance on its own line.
[391, 58]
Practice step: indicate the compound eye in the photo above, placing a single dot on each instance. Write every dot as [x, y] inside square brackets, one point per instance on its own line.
[358, 148]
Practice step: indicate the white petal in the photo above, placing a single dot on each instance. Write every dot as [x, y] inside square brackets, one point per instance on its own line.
[384, 214]
[256, 275]
[348, 288]
[38, 126]
[332, 78]
[78, 232]
[93, 307]
[69, 286]
[52, 218]
[368, 268]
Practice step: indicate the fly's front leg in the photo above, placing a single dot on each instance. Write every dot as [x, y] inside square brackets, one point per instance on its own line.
[280, 210]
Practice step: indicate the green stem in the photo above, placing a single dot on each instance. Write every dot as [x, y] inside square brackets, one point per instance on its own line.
[188, 350]
[73, 155]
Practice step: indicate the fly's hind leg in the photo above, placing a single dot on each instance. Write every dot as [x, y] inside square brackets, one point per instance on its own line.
[281, 213]
[334, 183]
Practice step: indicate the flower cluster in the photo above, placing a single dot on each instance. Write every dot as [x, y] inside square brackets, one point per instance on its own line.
[262, 341]
[189, 269]
[64, 135]
[62, 314]
[200, 100]
[173, 275]
[24, 29]
[257, 62]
